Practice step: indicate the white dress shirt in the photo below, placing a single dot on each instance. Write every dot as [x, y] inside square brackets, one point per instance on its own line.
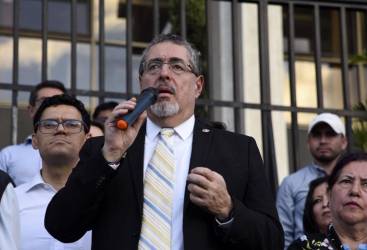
[33, 198]
[9, 220]
[182, 146]
[22, 162]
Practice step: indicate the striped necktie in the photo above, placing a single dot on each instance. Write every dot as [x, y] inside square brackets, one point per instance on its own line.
[158, 196]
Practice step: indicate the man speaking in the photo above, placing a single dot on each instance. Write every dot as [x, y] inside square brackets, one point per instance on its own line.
[168, 181]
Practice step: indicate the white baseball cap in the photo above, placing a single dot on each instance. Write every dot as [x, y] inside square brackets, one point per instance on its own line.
[331, 119]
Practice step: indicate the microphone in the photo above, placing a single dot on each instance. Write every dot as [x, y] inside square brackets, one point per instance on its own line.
[146, 98]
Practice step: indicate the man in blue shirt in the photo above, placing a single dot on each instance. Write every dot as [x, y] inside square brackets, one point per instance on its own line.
[21, 161]
[326, 142]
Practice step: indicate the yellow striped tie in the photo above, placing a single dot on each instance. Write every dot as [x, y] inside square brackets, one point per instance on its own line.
[158, 195]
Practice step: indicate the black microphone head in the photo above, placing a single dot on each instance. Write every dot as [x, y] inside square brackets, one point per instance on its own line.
[149, 91]
[146, 98]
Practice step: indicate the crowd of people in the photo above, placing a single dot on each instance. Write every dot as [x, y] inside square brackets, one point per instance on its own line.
[171, 180]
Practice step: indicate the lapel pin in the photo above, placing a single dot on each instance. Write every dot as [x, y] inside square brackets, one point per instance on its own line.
[205, 130]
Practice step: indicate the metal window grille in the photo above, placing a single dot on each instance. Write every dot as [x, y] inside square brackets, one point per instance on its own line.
[265, 106]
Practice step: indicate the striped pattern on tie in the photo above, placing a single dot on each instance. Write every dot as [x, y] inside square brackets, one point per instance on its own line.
[158, 195]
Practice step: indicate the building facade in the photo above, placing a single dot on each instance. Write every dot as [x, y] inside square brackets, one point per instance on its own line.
[270, 66]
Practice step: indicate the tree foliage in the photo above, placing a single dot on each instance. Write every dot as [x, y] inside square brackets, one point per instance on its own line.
[195, 25]
[196, 34]
[360, 128]
[360, 124]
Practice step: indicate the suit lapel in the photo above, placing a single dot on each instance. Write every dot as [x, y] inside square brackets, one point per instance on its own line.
[135, 159]
[201, 143]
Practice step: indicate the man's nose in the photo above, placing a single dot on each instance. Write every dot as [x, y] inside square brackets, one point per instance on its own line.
[165, 70]
[324, 138]
[60, 127]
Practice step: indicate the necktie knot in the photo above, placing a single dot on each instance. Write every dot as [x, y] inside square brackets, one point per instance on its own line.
[167, 132]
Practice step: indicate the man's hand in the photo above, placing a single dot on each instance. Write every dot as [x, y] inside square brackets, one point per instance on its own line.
[117, 141]
[208, 189]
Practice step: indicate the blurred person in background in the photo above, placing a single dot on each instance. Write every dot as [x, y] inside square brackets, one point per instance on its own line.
[96, 129]
[61, 126]
[102, 111]
[347, 189]
[22, 161]
[326, 142]
[317, 216]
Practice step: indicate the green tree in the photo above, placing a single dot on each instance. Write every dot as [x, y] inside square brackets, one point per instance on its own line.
[360, 124]
[195, 25]
[360, 127]
[196, 34]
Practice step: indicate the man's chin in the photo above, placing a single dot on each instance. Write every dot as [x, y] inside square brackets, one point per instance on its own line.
[325, 159]
[164, 109]
[58, 158]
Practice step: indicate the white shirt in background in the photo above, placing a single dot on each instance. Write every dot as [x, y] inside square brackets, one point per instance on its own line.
[9, 220]
[33, 198]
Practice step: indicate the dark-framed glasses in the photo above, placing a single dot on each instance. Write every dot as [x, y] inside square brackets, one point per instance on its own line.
[50, 126]
[176, 65]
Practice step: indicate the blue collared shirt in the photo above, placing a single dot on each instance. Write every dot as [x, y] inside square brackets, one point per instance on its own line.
[291, 199]
[22, 162]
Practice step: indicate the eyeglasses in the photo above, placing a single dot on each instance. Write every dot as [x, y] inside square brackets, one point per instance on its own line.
[176, 65]
[50, 126]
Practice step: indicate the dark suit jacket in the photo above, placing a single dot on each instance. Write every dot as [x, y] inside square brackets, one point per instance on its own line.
[111, 202]
[4, 181]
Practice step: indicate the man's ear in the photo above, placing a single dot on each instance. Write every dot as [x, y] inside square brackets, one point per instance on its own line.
[344, 142]
[87, 136]
[199, 83]
[34, 141]
[308, 142]
[31, 110]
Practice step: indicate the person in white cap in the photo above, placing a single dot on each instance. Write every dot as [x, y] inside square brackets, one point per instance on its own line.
[326, 142]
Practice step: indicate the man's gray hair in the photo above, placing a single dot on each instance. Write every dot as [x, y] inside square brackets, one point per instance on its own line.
[175, 39]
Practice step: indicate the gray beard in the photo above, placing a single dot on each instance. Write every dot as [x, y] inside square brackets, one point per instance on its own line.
[164, 108]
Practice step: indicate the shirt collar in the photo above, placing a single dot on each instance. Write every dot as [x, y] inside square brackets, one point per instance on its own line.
[183, 130]
[37, 181]
[318, 168]
[334, 238]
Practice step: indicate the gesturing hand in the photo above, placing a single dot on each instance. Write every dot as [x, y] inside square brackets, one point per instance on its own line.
[117, 141]
[208, 189]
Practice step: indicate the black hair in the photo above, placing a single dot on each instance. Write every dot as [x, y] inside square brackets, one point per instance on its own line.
[342, 162]
[98, 125]
[45, 84]
[62, 100]
[309, 224]
[102, 107]
[218, 125]
[193, 53]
